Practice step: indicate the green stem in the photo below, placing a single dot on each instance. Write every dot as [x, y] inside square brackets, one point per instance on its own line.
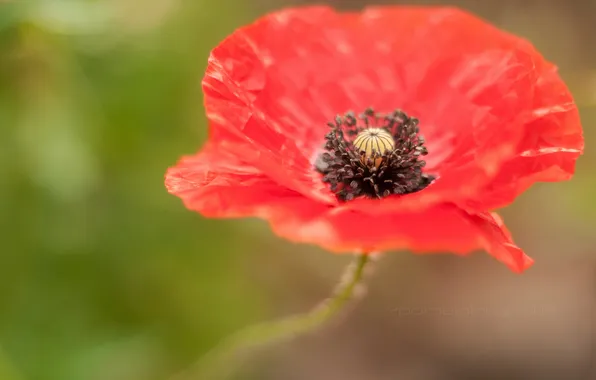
[220, 362]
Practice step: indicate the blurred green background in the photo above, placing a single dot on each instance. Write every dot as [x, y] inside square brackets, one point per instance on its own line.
[104, 276]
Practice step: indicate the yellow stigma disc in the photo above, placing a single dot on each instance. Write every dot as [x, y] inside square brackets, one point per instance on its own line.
[374, 142]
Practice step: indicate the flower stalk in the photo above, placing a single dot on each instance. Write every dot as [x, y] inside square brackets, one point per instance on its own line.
[220, 362]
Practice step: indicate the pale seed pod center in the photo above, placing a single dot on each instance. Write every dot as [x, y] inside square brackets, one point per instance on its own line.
[372, 144]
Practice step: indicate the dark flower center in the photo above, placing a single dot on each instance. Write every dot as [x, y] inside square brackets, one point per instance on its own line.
[373, 155]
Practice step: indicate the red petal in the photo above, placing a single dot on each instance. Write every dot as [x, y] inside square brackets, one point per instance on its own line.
[271, 86]
[250, 101]
[551, 143]
[513, 121]
[439, 229]
[472, 128]
[217, 184]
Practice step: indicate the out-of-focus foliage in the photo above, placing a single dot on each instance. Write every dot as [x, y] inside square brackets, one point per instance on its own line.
[103, 275]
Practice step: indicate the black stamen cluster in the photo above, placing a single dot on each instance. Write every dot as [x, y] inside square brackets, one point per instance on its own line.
[351, 174]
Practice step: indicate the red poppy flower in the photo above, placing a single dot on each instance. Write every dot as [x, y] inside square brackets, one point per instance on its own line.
[495, 116]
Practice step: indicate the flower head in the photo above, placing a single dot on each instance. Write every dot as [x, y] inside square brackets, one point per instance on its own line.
[317, 121]
[376, 158]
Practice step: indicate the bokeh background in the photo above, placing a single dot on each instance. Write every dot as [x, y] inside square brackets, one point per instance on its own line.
[104, 276]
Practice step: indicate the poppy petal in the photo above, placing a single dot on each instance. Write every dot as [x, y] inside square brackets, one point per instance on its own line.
[272, 85]
[243, 95]
[471, 129]
[216, 183]
[551, 144]
[232, 189]
[444, 228]
[523, 121]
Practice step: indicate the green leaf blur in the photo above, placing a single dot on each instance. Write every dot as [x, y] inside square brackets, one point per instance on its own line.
[104, 275]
